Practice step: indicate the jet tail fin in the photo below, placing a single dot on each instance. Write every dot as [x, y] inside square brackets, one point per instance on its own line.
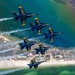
[15, 14]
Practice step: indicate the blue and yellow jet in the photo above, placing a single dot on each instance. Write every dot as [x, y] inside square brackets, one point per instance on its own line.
[41, 49]
[34, 64]
[51, 34]
[22, 15]
[27, 44]
[38, 25]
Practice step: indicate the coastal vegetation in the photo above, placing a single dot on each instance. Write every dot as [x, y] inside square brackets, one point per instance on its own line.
[53, 70]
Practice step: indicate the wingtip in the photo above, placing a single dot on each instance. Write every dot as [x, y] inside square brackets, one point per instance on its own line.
[24, 38]
[49, 28]
[29, 51]
[23, 24]
[39, 33]
[36, 18]
[13, 12]
[20, 7]
[51, 41]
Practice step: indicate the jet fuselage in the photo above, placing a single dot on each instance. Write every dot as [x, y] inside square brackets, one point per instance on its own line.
[52, 35]
[28, 15]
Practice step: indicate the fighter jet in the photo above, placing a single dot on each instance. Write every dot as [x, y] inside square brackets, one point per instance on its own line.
[22, 15]
[38, 25]
[34, 64]
[41, 49]
[51, 34]
[27, 44]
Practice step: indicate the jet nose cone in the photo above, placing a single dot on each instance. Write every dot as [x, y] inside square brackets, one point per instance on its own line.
[60, 32]
[12, 12]
[34, 14]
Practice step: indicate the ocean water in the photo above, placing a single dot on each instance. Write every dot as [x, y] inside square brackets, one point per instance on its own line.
[61, 15]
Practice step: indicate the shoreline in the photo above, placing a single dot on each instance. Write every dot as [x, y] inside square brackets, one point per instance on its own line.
[17, 64]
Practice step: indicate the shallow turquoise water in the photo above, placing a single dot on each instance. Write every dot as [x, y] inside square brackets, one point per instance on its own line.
[49, 12]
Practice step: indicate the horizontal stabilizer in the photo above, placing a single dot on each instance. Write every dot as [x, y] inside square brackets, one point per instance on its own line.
[30, 66]
[21, 46]
[15, 14]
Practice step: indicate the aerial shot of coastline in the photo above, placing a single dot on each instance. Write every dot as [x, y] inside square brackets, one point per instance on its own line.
[37, 37]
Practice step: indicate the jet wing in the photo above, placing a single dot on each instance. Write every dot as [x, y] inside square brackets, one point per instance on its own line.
[35, 66]
[46, 37]
[42, 52]
[37, 50]
[37, 22]
[50, 31]
[28, 49]
[39, 31]
[51, 39]
[21, 11]
[23, 21]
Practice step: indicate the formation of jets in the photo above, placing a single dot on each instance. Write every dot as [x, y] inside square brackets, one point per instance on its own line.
[26, 44]
[51, 34]
[23, 16]
[38, 26]
[41, 49]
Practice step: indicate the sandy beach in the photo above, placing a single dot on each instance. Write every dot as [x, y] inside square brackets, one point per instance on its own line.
[17, 64]
[13, 64]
